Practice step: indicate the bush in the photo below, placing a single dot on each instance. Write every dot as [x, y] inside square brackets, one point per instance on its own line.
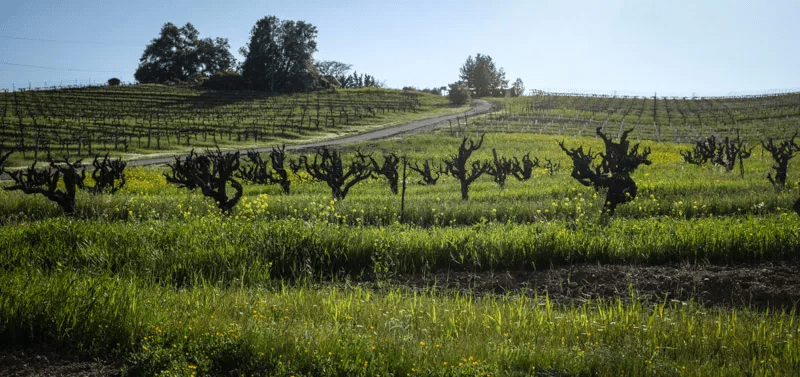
[459, 94]
[113, 81]
[225, 80]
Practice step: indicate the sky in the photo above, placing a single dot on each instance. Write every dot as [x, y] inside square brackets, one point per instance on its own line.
[638, 48]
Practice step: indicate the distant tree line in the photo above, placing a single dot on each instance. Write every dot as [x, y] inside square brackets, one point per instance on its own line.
[278, 58]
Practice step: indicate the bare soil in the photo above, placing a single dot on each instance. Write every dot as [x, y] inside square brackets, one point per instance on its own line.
[47, 360]
[756, 286]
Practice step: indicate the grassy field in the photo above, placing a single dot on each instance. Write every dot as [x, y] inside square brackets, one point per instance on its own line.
[156, 279]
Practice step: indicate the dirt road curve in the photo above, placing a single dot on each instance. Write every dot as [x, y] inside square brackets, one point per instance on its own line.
[478, 107]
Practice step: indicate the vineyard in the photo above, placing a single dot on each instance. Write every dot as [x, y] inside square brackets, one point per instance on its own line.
[478, 248]
[674, 120]
[118, 119]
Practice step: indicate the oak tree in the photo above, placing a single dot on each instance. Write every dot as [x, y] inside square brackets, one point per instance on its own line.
[279, 56]
[179, 54]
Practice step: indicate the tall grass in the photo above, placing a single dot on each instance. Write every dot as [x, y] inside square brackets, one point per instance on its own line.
[195, 250]
[155, 276]
[341, 331]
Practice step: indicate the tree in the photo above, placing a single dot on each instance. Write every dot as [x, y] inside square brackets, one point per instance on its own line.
[426, 173]
[500, 168]
[459, 93]
[3, 157]
[225, 80]
[214, 56]
[211, 173]
[518, 88]
[388, 169]
[725, 152]
[359, 81]
[796, 207]
[179, 54]
[482, 76]
[259, 172]
[329, 168]
[46, 182]
[279, 56]
[523, 170]
[613, 175]
[332, 68]
[781, 153]
[456, 166]
[108, 175]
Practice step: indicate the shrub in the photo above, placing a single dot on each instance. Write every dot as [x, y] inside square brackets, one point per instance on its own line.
[459, 94]
[113, 81]
[226, 80]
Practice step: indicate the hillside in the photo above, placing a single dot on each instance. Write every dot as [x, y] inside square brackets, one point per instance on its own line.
[136, 120]
[677, 120]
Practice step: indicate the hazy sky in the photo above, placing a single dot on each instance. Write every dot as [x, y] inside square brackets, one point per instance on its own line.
[674, 48]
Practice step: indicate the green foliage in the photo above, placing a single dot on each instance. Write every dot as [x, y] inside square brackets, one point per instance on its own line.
[156, 277]
[518, 89]
[332, 68]
[482, 76]
[193, 249]
[459, 94]
[359, 81]
[178, 54]
[113, 81]
[226, 80]
[347, 331]
[279, 58]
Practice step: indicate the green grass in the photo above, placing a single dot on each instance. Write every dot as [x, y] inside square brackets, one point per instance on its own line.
[347, 331]
[223, 251]
[155, 277]
[130, 274]
[667, 188]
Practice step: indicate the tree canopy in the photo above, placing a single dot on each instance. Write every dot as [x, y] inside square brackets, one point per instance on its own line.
[518, 89]
[332, 68]
[279, 57]
[482, 76]
[179, 54]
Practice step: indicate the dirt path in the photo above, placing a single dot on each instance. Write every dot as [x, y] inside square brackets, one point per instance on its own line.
[478, 107]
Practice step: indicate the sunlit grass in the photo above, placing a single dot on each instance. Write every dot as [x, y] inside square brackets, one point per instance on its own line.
[157, 276]
[192, 250]
[341, 331]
